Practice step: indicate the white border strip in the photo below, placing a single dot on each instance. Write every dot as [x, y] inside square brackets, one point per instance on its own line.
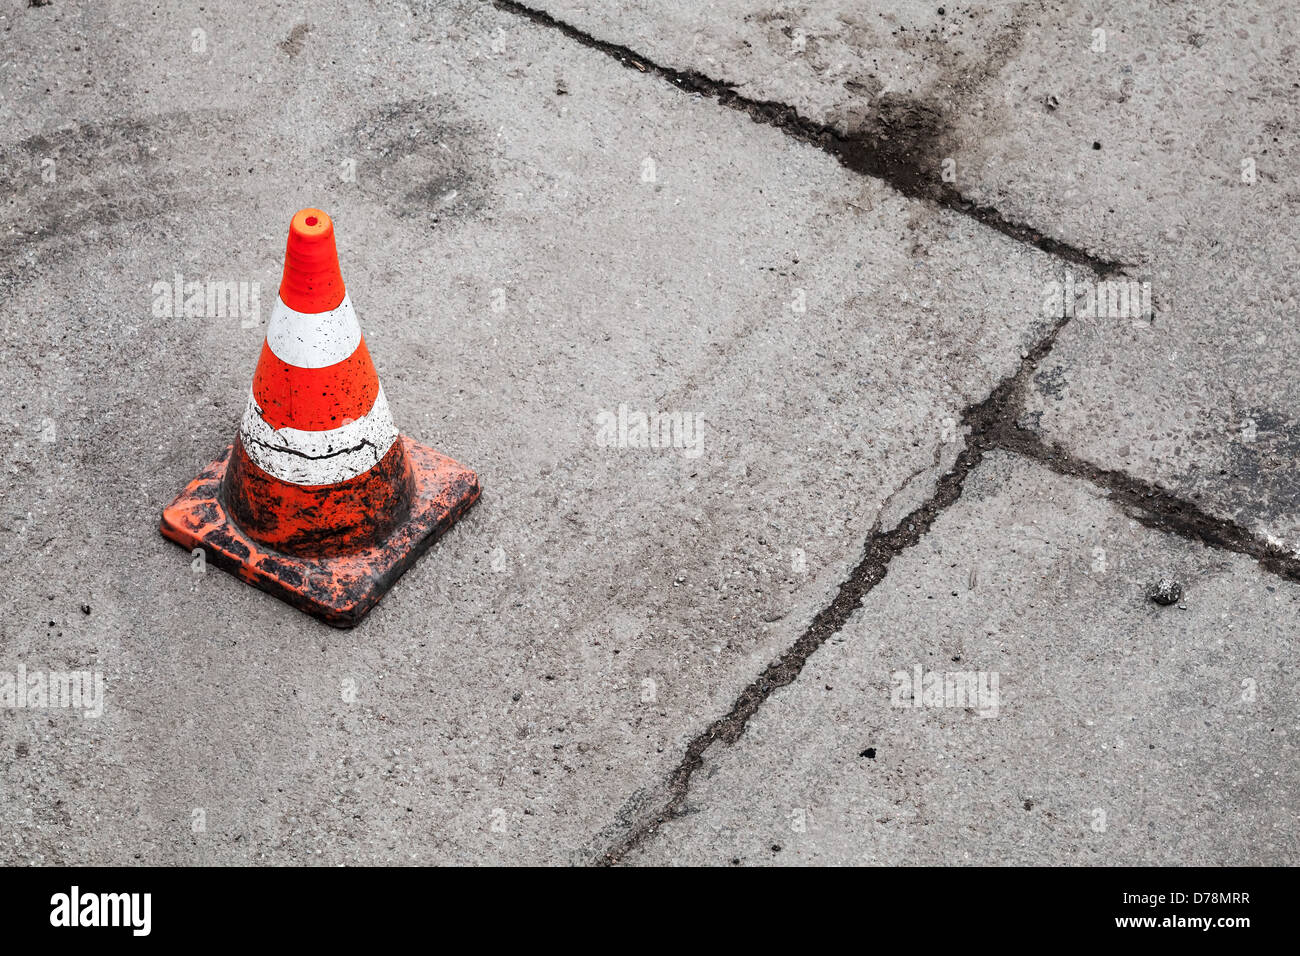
[313, 339]
[318, 458]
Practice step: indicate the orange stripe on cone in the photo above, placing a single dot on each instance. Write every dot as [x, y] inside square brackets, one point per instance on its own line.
[314, 399]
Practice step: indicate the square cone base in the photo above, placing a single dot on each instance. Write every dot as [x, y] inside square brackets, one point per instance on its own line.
[339, 590]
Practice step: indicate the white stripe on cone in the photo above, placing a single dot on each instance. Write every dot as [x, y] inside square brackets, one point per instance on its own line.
[318, 458]
[313, 339]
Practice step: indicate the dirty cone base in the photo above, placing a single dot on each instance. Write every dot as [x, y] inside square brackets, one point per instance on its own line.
[339, 590]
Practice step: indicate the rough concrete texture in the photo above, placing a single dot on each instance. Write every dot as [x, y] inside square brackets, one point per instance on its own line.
[1154, 136]
[535, 232]
[1201, 398]
[534, 235]
[1173, 96]
[1124, 732]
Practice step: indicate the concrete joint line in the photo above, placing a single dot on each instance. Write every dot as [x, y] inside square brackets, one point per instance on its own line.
[983, 423]
[990, 424]
[875, 152]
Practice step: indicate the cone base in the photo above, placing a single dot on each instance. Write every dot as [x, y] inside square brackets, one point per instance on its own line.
[339, 590]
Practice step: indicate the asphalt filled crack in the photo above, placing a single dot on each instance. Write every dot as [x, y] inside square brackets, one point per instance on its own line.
[990, 425]
[898, 150]
[1152, 506]
[984, 423]
[897, 145]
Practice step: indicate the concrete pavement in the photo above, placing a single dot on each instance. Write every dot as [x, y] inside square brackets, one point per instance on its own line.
[604, 655]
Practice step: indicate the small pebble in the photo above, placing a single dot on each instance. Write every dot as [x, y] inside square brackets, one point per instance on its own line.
[1165, 592]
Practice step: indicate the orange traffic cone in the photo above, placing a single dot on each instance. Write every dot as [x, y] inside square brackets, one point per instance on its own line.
[319, 501]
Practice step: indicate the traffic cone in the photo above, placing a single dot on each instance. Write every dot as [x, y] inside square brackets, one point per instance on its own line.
[319, 501]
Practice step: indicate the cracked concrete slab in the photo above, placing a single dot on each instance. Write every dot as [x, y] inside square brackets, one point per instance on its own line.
[1192, 182]
[1089, 119]
[1154, 136]
[1063, 717]
[532, 236]
[1201, 398]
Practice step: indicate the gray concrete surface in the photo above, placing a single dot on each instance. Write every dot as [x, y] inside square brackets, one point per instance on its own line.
[1159, 142]
[1018, 93]
[1123, 732]
[1202, 397]
[515, 275]
[534, 233]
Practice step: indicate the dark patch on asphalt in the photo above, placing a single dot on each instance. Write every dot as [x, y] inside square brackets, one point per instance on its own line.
[421, 162]
[1261, 470]
[292, 44]
[902, 141]
[1051, 382]
[80, 178]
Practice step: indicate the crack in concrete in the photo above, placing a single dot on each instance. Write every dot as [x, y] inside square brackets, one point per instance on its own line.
[1153, 507]
[887, 151]
[990, 424]
[984, 423]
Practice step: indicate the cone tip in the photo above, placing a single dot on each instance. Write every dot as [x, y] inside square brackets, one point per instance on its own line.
[312, 281]
[310, 224]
